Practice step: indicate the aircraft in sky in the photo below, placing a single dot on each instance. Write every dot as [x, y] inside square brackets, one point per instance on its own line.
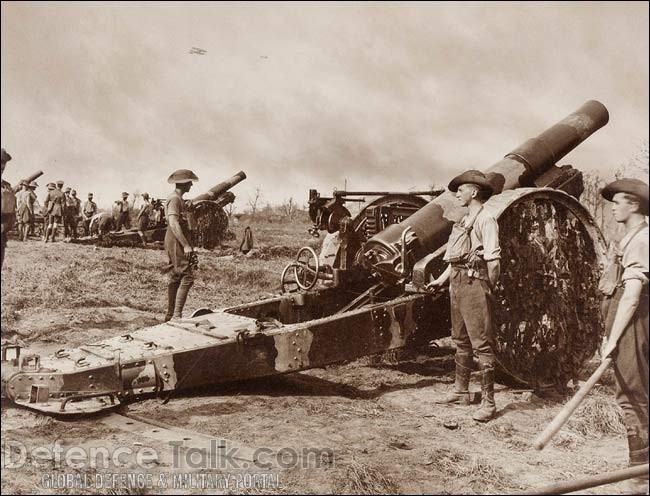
[197, 51]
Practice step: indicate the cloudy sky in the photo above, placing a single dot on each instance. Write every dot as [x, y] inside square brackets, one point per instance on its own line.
[384, 95]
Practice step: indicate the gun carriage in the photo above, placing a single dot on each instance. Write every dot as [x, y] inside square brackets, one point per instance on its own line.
[365, 294]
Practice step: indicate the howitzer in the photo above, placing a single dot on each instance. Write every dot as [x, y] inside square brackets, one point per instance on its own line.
[28, 180]
[360, 296]
[208, 220]
[215, 192]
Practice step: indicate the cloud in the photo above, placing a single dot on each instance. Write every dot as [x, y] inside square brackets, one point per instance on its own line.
[385, 95]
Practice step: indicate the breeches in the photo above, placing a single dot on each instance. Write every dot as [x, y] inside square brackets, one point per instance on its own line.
[471, 315]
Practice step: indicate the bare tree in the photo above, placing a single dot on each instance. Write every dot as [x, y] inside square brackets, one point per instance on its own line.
[253, 201]
[230, 209]
[637, 165]
[289, 209]
[591, 198]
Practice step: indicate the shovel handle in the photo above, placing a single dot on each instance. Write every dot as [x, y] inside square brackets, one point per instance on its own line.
[560, 419]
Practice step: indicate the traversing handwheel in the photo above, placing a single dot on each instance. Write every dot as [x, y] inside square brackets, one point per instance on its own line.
[306, 268]
[288, 285]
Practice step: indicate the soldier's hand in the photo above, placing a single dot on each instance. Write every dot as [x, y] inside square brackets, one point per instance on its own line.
[433, 285]
[187, 250]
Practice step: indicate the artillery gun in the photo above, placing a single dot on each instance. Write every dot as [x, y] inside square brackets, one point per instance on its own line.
[209, 221]
[365, 294]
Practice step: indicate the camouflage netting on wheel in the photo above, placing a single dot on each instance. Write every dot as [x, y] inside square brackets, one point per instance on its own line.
[547, 305]
[211, 225]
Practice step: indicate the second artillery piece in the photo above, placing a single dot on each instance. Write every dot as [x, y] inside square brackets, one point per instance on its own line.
[365, 294]
[207, 217]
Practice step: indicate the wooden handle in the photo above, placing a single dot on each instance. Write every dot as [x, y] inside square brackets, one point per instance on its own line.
[560, 419]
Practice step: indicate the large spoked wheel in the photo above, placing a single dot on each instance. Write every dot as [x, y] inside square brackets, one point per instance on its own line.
[306, 268]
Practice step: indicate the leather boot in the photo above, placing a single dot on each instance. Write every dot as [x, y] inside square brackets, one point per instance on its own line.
[637, 442]
[488, 409]
[172, 290]
[181, 297]
[460, 394]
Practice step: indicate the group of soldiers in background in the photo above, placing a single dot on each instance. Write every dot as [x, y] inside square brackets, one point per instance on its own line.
[63, 207]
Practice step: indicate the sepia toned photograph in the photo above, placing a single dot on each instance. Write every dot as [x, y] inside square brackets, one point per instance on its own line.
[324, 247]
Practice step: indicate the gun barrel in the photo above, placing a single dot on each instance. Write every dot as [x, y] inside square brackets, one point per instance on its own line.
[221, 188]
[432, 223]
[28, 180]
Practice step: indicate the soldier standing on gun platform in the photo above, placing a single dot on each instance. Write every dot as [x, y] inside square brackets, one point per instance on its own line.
[54, 209]
[473, 254]
[625, 284]
[123, 218]
[8, 207]
[178, 247]
[144, 216]
[89, 209]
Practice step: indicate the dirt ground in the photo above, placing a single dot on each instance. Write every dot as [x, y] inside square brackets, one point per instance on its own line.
[377, 416]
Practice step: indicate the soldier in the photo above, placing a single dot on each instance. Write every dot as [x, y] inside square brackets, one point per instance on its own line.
[144, 216]
[101, 223]
[123, 218]
[77, 213]
[177, 244]
[53, 206]
[67, 202]
[625, 284]
[24, 210]
[473, 255]
[8, 207]
[88, 211]
[35, 206]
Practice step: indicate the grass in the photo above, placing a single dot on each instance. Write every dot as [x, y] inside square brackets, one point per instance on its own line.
[598, 416]
[61, 277]
[456, 465]
[365, 479]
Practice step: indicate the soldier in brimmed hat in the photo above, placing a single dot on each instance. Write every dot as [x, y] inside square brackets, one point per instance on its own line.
[473, 254]
[88, 211]
[625, 286]
[144, 216]
[53, 205]
[177, 244]
[123, 212]
[8, 207]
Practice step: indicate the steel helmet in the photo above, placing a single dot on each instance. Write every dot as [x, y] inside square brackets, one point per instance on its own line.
[182, 176]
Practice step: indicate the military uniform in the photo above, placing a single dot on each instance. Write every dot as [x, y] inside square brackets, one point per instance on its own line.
[181, 277]
[123, 217]
[71, 210]
[101, 223]
[469, 287]
[627, 262]
[8, 214]
[25, 211]
[144, 216]
[472, 245]
[54, 211]
[88, 211]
